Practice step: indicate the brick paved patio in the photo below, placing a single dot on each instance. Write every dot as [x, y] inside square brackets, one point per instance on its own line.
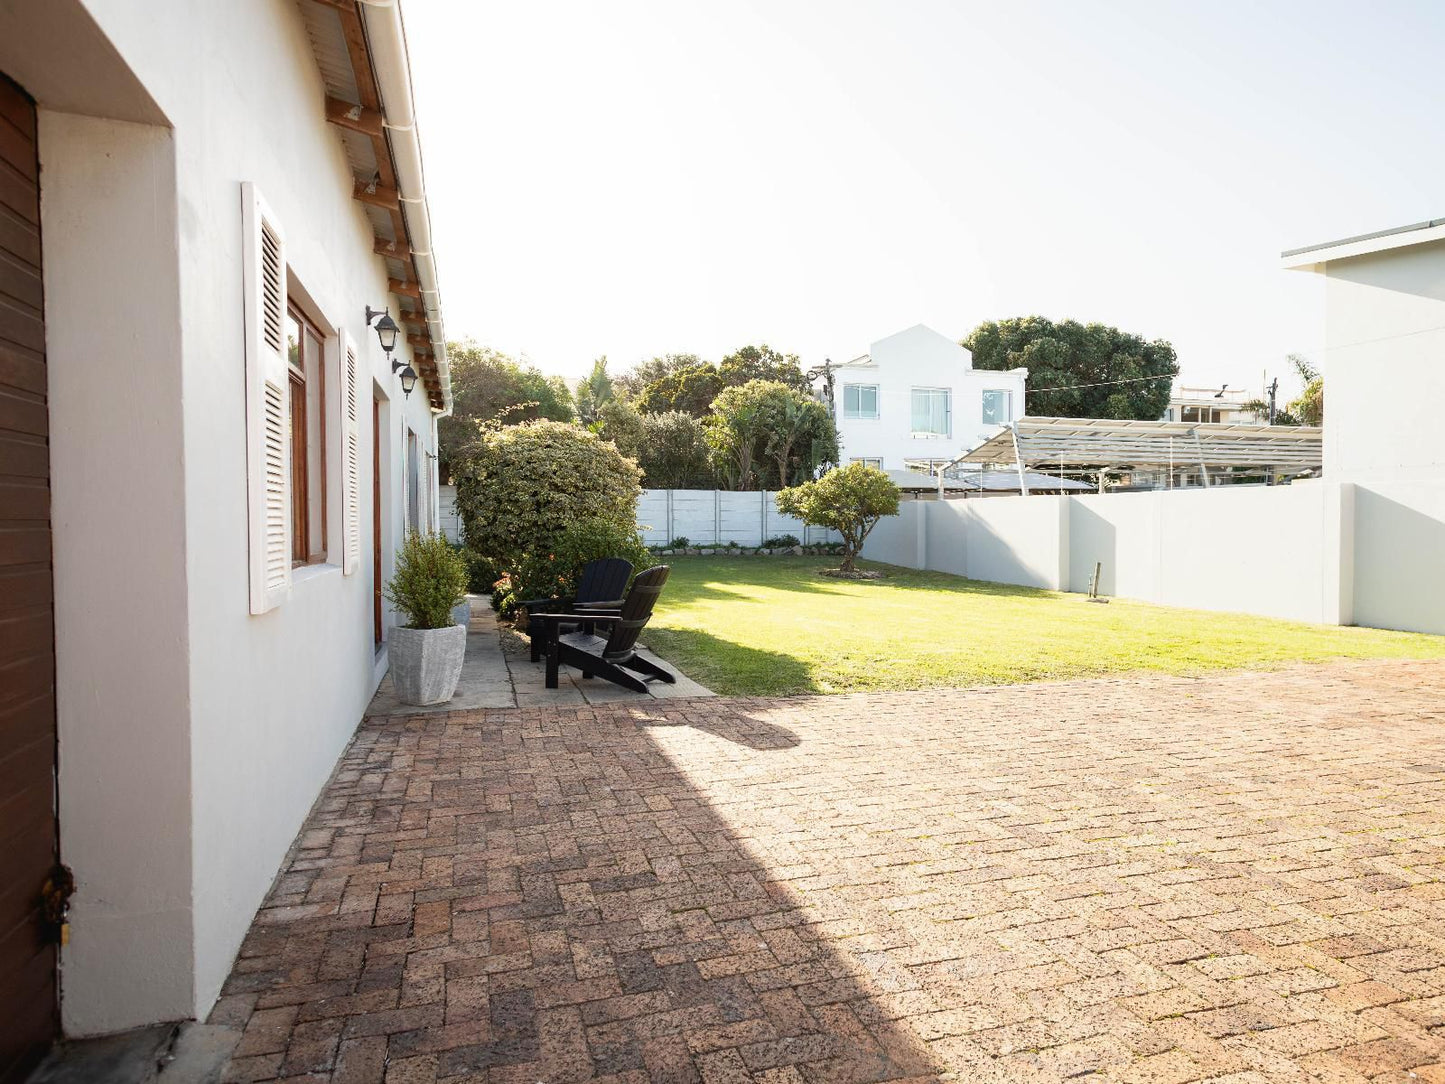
[1153, 879]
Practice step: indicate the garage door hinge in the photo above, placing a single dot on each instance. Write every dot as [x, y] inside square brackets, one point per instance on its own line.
[55, 903]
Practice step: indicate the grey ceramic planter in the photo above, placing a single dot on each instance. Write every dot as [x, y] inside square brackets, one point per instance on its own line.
[426, 664]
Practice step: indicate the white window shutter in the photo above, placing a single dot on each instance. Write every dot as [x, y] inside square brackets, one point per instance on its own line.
[268, 405]
[350, 455]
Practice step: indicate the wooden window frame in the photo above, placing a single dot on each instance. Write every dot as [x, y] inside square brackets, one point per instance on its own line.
[301, 387]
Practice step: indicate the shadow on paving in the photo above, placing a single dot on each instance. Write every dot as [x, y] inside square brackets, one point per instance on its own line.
[541, 895]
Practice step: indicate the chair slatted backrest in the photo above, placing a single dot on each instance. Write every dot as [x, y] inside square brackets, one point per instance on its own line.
[636, 612]
[604, 580]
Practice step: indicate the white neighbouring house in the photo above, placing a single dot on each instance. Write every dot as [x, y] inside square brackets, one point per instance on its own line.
[207, 463]
[915, 399]
[1224, 405]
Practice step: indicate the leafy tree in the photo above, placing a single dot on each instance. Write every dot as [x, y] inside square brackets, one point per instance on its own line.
[766, 434]
[593, 393]
[736, 429]
[521, 486]
[1310, 406]
[850, 500]
[674, 452]
[1079, 370]
[488, 387]
[619, 422]
[799, 435]
[631, 384]
[762, 363]
[687, 383]
[691, 390]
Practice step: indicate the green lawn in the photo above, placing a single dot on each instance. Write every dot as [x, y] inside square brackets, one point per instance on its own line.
[771, 625]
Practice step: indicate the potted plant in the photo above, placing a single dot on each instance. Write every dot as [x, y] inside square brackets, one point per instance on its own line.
[427, 652]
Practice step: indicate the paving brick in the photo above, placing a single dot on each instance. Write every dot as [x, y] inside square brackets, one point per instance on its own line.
[1144, 878]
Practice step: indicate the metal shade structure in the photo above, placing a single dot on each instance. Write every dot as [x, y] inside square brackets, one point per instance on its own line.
[1104, 445]
[980, 481]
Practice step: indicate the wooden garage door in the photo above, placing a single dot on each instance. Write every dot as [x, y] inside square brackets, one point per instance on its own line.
[27, 634]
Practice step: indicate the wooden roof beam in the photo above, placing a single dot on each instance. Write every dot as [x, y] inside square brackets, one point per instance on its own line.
[394, 250]
[377, 195]
[357, 118]
[404, 289]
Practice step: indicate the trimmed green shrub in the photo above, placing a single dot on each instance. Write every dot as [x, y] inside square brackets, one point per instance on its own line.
[781, 542]
[555, 572]
[523, 485]
[851, 500]
[430, 578]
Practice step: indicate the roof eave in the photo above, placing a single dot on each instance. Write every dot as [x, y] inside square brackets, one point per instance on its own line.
[1314, 257]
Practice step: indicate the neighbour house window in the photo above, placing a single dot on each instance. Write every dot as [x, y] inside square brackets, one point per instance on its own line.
[860, 401]
[932, 410]
[998, 407]
[869, 462]
[1200, 414]
[305, 352]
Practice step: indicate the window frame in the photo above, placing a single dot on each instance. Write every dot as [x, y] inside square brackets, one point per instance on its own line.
[857, 415]
[308, 503]
[947, 394]
[1008, 395]
[873, 461]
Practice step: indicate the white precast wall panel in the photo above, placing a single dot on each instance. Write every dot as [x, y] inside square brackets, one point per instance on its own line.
[713, 517]
[450, 518]
[1247, 549]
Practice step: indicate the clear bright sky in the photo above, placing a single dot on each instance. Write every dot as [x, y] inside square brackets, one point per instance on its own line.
[630, 179]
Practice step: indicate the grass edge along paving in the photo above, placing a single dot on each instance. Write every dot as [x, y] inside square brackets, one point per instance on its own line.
[771, 626]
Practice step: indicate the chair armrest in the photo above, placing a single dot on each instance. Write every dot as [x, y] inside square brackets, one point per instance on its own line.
[607, 604]
[553, 603]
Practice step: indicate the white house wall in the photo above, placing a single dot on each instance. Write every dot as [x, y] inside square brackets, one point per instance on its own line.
[122, 641]
[255, 709]
[1385, 381]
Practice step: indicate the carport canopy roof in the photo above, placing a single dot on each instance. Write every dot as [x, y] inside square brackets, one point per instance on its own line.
[1104, 443]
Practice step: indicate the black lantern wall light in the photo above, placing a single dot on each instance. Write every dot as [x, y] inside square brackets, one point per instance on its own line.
[386, 333]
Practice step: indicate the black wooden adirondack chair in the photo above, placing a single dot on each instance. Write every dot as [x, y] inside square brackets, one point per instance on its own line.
[603, 585]
[612, 656]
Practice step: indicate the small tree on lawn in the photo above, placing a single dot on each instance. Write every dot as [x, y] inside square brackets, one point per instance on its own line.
[850, 500]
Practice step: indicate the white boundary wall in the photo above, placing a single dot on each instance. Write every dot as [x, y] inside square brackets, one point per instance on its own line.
[1314, 551]
[706, 516]
[447, 516]
[713, 517]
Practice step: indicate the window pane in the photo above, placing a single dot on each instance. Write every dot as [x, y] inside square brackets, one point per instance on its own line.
[997, 407]
[860, 400]
[931, 410]
[299, 525]
[293, 340]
